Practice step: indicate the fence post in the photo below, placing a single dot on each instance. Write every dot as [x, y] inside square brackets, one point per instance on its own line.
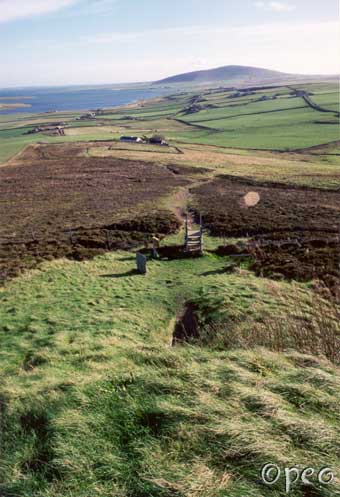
[186, 232]
[201, 235]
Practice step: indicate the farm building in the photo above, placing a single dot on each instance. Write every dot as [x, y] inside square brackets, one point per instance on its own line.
[88, 115]
[48, 130]
[157, 140]
[131, 139]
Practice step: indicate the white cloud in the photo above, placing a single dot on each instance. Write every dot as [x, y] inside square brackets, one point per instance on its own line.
[152, 54]
[275, 46]
[275, 6]
[10, 10]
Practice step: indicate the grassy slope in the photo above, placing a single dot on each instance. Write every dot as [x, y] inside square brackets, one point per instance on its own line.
[96, 403]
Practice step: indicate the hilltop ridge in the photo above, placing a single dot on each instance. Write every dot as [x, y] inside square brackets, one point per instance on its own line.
[227, 73]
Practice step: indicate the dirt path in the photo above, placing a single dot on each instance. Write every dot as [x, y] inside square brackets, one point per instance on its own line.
[180, 201]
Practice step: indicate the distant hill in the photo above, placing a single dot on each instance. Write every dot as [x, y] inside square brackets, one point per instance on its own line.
[226, 73]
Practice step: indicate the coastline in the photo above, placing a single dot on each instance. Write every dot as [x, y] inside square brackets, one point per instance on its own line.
[14, 106]
[57, 101]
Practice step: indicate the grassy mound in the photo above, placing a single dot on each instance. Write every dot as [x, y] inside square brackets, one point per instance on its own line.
[95, 401]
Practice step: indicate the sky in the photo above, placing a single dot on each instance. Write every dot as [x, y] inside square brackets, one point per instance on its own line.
[65, 42]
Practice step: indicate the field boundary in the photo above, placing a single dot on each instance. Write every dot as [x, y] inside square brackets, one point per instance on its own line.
[198, 126]
[250, 114]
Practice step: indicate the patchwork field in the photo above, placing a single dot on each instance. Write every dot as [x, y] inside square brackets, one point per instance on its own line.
[265, 118]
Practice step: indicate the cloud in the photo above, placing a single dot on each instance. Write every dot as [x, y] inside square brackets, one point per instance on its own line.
[150, 54]
[164, 34]
[275, 6]
[276, 46]
[11, 10]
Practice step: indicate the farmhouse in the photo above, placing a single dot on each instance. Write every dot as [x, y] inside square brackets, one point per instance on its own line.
[131, 139]
[48, 130]
[57, 131]
[88, 115]
[157, 140]
[193, 108]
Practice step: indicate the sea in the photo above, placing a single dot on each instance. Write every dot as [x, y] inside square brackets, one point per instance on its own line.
[58, 99]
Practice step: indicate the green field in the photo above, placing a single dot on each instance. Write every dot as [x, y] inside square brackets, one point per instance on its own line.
[13, 144]
[285, 130]
[328, 100]
[243, 122]
[234, 110]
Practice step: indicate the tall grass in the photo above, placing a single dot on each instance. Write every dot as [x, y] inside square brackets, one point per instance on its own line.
[315, 330]
[95, 403]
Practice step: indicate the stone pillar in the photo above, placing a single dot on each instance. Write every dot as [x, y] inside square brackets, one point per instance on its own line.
[141, 263]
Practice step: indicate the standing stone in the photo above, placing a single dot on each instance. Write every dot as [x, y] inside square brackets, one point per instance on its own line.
[141, 263]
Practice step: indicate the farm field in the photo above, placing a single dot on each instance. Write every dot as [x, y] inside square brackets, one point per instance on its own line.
[253, 106]
[328, 100]
[265, 119]
[184, 381]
